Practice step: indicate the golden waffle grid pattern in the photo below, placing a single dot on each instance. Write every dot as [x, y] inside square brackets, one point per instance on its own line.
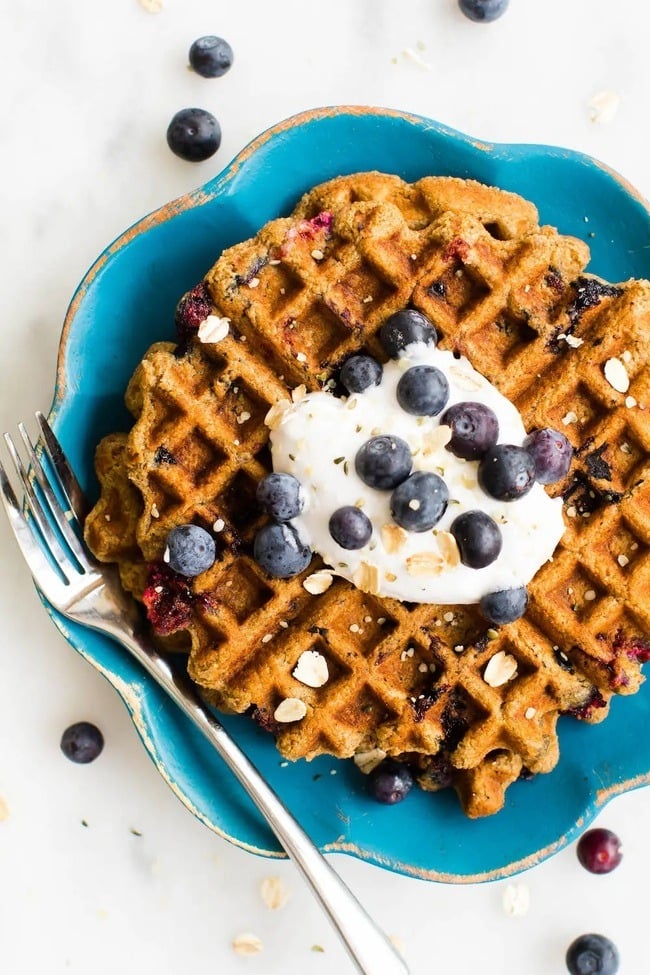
[302, 296]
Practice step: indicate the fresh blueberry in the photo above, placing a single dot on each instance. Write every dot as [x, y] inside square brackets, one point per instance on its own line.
[82, 742]
[423, 391]
[474, 428]
[403, 328]
[194, 134]
[478, 538]
[483, 11]
[281, 496]
[360, 372]
[551, 453]
[211, 56]
[419, 502]
[349, 527]
[390, 782]
[504, 606]
[599, 850]
[383, 462]
[506, 472]
[278, 550]
[190, 550]
[592, 954]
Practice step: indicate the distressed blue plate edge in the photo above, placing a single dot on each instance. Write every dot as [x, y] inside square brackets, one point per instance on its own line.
[133, 693]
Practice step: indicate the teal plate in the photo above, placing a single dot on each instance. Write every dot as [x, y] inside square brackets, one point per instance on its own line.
[127, 301]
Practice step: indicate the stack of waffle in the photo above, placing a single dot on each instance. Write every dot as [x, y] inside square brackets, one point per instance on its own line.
[404, 679]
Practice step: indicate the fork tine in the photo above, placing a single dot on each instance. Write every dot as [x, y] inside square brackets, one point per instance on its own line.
[66, 475]
[60, 557]
[42, 572]
[60, 516]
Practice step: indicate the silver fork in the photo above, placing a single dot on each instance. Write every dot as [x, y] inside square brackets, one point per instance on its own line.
[89, 593]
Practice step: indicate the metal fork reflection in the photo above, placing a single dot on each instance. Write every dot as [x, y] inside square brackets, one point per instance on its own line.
[49, 532]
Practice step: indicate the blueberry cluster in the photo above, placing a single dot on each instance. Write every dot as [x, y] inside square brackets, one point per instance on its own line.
[419, 499]
[277, 547]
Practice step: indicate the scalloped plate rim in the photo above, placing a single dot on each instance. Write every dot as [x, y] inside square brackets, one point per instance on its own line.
[131, 693]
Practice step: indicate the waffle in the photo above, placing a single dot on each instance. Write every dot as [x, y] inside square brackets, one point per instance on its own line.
[409, 679]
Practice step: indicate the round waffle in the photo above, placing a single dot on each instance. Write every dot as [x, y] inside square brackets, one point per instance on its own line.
[301, 296]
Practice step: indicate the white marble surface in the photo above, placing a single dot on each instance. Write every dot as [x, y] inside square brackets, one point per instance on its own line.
[88, 91]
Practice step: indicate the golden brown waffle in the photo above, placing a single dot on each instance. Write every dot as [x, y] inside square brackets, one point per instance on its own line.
[301, 296]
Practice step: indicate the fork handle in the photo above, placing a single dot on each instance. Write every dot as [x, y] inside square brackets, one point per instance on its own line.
[368, 946]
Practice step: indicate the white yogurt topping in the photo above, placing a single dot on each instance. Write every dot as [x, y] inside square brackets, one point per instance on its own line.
[317, 439]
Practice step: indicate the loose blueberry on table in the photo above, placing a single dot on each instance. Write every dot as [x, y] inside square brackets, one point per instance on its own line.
[592, 954]
[194, 134]
[390, 782]
[82, 742]
[599, 850]
[483, 11]
[211, 56]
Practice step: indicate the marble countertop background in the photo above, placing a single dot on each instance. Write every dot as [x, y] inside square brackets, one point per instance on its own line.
[102, 870]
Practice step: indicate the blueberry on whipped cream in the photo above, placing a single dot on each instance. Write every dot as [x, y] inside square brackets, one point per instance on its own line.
[421, 484]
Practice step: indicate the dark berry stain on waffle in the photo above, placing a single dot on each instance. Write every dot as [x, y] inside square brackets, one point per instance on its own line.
[589, 292]
[164, 456]
[192, 309]
[169, 599]
[597, 466]
[584, 712]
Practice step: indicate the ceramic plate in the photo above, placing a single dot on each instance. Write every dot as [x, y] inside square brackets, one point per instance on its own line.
[127, 301]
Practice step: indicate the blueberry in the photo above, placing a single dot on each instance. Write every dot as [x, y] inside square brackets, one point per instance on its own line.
[349, 527]
[423, 391]
[82, 742]
[592, 954]
[194, 134]
[419, 502]
[383, 462]
[190, 550]
[506, 472]
[281, 496]
[390, 782]
[504, 606]
[278, 550]
[360, 372]
[599, 850]
[483, 11]
[474, 428]
[403, 328]
[211, 56]
[551, 453]
[478, 538]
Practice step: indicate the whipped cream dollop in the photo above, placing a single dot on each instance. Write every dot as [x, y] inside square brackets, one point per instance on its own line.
[317, 438]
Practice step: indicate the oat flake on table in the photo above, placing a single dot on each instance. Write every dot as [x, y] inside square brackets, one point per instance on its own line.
[274, 893]
[247, 944]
